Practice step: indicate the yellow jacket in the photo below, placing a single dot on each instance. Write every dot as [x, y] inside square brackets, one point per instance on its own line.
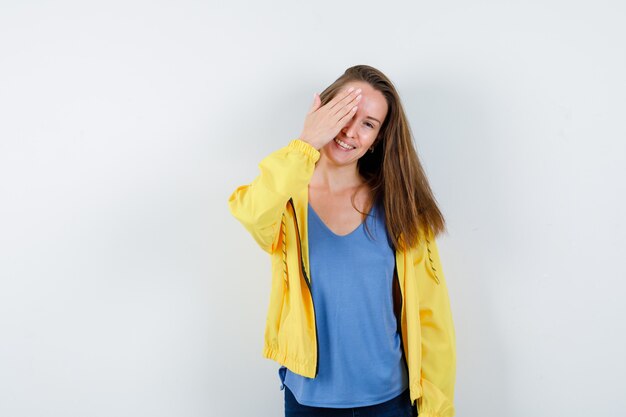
[273, 208]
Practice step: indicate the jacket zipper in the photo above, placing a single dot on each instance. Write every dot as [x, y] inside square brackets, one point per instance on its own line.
[406, 366]
[308, 283]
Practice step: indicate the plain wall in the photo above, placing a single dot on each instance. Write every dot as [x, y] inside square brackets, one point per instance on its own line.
[127, 289]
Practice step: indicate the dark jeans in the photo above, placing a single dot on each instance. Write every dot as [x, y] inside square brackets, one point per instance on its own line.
[399, 406]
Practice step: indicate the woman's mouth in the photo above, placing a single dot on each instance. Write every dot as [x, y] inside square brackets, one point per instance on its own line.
[343, 145]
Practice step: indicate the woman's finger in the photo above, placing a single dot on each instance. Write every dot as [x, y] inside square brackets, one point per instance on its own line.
[348, 108]
[339, 97]
[316, 103]
[346, 103]
[346, 117]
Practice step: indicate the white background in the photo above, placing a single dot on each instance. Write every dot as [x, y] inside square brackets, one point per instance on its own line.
[127, 289]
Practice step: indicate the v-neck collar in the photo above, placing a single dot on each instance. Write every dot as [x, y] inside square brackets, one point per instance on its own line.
[331, 231]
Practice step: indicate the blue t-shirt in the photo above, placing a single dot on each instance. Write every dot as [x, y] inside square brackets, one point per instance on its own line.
[360, 353]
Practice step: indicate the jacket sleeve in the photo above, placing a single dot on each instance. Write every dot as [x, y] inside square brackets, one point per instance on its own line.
[260, 204]
[437, 333]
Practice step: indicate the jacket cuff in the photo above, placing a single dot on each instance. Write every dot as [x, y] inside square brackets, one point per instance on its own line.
[305, 148]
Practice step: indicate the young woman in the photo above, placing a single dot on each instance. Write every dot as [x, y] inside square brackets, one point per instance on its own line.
[359, 316]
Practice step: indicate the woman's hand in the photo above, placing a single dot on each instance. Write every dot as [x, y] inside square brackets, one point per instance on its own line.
[323, 124]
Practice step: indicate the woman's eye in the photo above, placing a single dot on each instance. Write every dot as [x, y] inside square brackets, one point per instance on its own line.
[370, 125]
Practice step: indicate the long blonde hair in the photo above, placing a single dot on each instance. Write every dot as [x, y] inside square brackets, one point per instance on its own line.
[393, 170]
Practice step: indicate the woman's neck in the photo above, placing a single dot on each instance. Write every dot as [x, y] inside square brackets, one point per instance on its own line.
[335, 178]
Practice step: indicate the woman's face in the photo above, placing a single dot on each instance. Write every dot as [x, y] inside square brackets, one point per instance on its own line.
[356, 137]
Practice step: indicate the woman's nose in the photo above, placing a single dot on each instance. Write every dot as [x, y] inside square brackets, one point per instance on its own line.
[349, 128]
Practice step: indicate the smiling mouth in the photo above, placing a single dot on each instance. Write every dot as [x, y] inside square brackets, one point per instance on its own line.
[344, 145]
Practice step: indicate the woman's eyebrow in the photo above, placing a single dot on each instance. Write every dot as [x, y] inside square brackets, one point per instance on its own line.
[370, 117]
